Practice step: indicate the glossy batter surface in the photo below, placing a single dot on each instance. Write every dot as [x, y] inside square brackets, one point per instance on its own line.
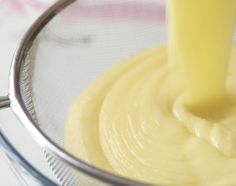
[126, 123]
[167, 115]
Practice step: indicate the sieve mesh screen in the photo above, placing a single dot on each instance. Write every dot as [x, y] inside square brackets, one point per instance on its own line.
[77, 46]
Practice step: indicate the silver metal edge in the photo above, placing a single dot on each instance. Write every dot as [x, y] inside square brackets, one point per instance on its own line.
[4, 102]
[21, 112]
[20, 166]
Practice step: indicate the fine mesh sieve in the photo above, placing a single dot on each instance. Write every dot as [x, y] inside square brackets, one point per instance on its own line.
[68, 47]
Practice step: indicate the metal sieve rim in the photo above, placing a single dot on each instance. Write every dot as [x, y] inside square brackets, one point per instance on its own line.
[18, 106]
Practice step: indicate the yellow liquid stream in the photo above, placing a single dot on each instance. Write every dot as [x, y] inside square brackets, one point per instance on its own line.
[167, 115]
[200, 42]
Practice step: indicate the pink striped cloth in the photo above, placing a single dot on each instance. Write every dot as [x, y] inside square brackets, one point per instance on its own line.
[130, 10]
[121, 11]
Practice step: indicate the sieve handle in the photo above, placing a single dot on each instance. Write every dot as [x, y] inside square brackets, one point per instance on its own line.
[25, 173]
[4, 102]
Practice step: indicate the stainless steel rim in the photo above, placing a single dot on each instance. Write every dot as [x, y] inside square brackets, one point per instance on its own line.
[20, 110]
[4, 102]
[20, 165]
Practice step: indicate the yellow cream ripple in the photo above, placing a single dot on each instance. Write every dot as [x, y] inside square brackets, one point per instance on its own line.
[132, 121]
[167, 117]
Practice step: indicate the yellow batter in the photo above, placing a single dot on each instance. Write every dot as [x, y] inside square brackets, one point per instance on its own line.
[167, 115]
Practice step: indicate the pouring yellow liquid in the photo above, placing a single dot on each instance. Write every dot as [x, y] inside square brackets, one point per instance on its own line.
[168, 114]
[200, 45]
